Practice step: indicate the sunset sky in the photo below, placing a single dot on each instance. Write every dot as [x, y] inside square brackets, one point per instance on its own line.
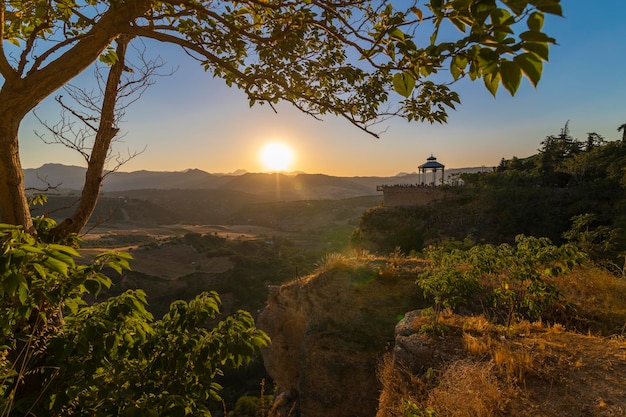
[191, 120]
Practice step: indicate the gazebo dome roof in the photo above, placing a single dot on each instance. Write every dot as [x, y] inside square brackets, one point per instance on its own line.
[431, 163]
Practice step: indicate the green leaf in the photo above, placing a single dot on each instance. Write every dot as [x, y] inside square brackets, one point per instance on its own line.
[529, 36]
[40, 270]
[455, 71]
[501, 17]
[116, 267]
[121, 255]
[11, 284]
[461, 5]
[22, 293]
[32, 249]
[492, 81]
[66, 259]
[488, 60]
[109, 56]
[403, 83]
[93, 286]
[433, 37]
[511, 76]
[457, 66]
[72, 305]
[549, 6]
[535, 22]
[531, 66]
[68, 250]
[435, 6]
[56, 265]
[540, 49]
[517, 6]
[460, 25]
[397, 34]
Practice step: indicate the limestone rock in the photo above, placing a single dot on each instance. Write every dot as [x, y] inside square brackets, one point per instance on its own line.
[329, 331]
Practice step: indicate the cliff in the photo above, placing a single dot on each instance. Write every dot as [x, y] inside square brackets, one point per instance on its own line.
[329, 332]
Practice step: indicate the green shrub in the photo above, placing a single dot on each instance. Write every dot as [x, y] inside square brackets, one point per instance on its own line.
[249, 406]
[61, 356]
[514, 279]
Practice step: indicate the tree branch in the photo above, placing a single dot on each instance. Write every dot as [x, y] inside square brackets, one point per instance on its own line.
[7, 71]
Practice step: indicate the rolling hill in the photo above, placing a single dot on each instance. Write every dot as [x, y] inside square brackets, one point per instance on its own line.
[271, 186]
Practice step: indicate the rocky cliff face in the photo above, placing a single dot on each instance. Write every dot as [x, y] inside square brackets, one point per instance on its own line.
[329, 331]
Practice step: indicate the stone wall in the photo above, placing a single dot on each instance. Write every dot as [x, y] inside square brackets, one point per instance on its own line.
[410, 195]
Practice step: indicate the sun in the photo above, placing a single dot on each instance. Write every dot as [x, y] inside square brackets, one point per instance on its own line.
[276, 156]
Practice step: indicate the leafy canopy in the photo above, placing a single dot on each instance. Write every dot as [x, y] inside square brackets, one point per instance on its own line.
[322, 56]
[364, 60]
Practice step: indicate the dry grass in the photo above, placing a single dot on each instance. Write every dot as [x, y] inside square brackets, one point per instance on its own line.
[592, 300]
[476, 386]
[387, 266]
[530, 369]
[332, 261]
[483, 339]
[398, 386]
[597, 300]
[595, 288]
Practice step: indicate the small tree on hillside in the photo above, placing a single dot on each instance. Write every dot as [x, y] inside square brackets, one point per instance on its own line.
[324, 57]
[98, 115]
[555, 148]
[622, 128]
[594, 140]
[446, 282]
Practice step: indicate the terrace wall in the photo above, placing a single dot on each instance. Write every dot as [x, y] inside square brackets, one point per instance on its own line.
[410, 195]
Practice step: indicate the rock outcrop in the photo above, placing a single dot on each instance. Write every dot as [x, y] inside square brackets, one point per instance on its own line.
[329, 332]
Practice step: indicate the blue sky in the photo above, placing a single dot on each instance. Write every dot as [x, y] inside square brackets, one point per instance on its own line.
[191, 120]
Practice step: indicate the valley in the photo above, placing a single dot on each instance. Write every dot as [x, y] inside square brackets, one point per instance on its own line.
[346, 287]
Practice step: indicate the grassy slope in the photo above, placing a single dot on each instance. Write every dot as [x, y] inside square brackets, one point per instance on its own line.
[531, 369]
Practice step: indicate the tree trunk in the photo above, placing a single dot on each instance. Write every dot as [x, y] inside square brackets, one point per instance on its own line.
[20, 93]
[100, 150]
[13, 203]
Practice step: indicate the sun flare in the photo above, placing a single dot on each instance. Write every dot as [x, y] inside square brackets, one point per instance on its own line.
[276, 156]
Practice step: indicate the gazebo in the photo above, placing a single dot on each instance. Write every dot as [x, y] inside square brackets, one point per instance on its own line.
[431, 164]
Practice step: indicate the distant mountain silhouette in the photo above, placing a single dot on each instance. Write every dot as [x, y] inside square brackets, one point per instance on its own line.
[55, 175]
[271, 186]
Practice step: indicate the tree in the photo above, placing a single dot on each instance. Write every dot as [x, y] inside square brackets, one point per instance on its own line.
[98, 115]
[622, 128]
[445, 282]
[322, 56]
[594, 140]
[554, 150]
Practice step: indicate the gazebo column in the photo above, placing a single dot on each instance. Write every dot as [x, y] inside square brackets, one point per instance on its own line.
[431, 165]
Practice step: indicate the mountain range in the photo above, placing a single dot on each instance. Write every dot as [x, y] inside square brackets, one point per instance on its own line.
[285, 186]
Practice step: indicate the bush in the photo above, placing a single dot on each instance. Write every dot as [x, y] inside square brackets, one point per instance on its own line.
[514, 279]
[61, 356]
[248, 406]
